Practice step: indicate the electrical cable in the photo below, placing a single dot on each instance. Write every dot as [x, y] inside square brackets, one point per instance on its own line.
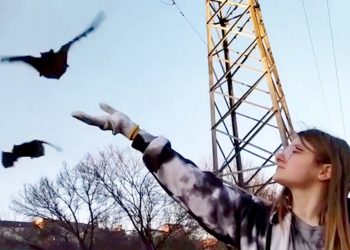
[316, 64]
[336, 69]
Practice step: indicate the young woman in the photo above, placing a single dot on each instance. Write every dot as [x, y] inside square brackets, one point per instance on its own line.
[311, 212]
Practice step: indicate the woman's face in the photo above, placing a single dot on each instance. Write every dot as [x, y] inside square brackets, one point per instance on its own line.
[296, 165]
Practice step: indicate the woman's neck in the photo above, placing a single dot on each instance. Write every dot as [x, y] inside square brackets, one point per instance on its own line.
[308, 204]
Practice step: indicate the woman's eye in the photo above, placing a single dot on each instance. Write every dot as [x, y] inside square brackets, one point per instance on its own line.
[296, 150]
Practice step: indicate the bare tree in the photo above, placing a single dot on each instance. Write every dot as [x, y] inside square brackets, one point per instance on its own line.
[141, 199]
[179, 215]
[69, 200]
[259, 187]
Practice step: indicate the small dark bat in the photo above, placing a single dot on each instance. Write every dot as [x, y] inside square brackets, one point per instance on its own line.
[54, 64]
[32, 149]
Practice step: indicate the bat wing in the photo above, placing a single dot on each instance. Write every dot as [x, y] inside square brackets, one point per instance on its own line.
[32, 149]
[96, 22]
[58, 149]
[8, 159]
[35, 62]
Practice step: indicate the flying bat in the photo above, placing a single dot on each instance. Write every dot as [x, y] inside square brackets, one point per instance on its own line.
[54, 64]
[32, 149]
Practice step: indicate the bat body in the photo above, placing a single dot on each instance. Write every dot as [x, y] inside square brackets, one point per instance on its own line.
[32, 149]
[54, 64]
[50, 65]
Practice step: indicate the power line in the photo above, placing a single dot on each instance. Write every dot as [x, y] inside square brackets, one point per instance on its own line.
[316, 64]
[336, 68]
[187, 20]
[170, 4]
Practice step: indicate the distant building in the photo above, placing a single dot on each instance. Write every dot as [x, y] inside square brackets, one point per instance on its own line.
[167, 228]
[209, 244]
[11, 228]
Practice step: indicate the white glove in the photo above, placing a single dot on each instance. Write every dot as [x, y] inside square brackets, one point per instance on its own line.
[115, 121]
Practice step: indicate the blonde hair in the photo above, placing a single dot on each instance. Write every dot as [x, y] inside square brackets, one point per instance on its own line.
[334, 215]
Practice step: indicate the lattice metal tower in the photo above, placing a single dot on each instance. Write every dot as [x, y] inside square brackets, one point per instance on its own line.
[249, 114]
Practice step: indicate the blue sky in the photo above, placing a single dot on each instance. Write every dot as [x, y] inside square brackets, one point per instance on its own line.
[147, 61]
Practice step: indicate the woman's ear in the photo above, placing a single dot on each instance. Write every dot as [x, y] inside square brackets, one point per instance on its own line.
[325, 172]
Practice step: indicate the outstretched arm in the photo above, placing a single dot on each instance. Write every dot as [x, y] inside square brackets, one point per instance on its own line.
[227, 212]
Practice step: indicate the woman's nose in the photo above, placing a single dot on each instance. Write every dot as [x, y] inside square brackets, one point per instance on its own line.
[285, 153]
[280, 157]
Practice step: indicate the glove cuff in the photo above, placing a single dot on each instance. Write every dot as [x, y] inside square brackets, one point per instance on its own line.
[133, 132]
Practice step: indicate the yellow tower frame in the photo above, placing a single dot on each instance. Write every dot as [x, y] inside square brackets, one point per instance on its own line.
[249, 113]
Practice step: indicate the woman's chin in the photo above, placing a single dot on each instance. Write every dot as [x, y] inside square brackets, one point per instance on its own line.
[277, 178]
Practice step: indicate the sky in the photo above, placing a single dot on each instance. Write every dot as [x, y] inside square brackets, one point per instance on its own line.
[147, 61]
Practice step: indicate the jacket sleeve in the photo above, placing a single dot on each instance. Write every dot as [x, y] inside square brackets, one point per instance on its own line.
[226, 212]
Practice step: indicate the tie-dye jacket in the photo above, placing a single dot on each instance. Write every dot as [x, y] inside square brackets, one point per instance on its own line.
[231, 215]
